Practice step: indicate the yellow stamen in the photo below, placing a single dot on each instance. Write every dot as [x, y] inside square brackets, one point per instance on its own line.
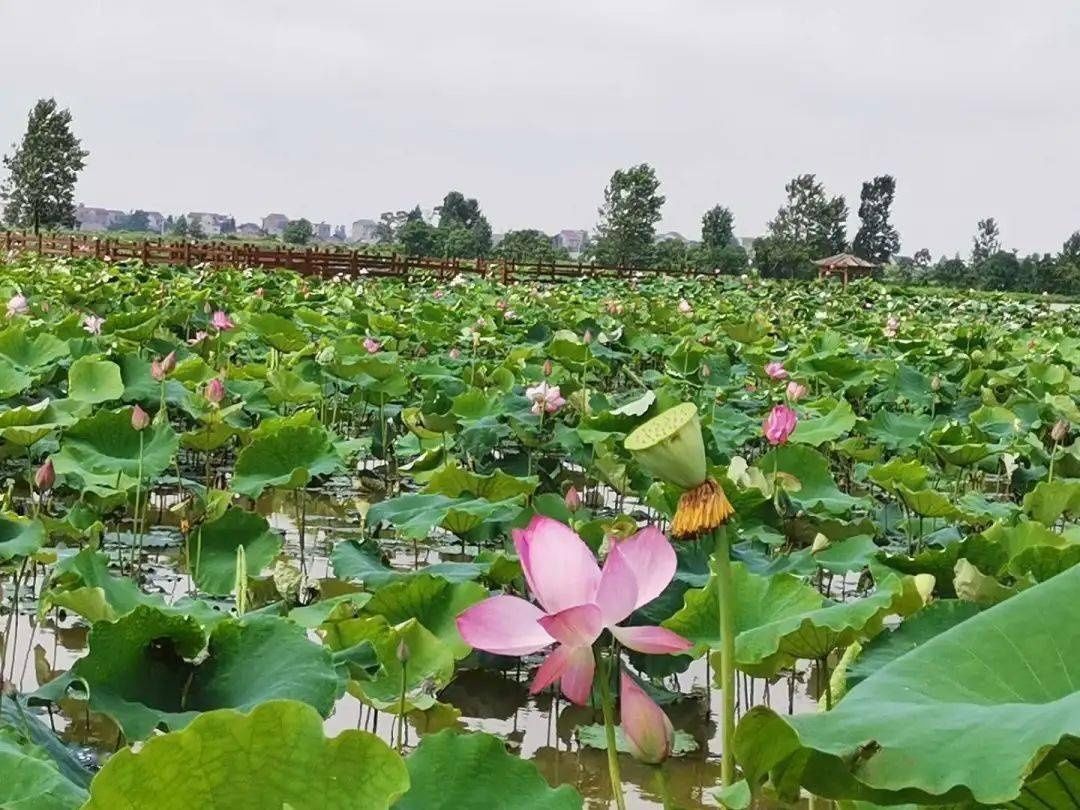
[701, 509]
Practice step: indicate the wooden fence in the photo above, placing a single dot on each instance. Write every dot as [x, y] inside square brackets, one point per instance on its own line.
[325, 262]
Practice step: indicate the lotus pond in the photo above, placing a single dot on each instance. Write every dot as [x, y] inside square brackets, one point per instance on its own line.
[270, 541]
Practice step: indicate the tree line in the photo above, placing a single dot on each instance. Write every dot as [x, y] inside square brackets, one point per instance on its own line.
[811, 224]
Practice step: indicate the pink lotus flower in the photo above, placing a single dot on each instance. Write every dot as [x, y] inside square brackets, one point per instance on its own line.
[221, 321]
[779, 424]
[545, 398]
[200, 336]
[140, 419]
[795, 391]
[168, 365]
[776, 370]
[157, 370]
[17, 305]
[648, 730]
[573, 499]
[45, 476]
[371, 345]
[578, 602]
[215, 391]
[92, 324]
[455, 353]
[438, 294]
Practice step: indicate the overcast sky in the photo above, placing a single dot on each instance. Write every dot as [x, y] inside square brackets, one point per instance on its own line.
[341, 109]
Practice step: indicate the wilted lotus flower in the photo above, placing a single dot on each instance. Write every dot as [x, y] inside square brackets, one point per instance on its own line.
[221, 321]
[17, 305]
[573, 499]
[776, 370]
[371, 345]
[548, 367]
[140, 419]
[45, 476]
[92, 324]
[455, 353]
[1059, 431]
[684, 307]
[545, 398]
[458, 280]
[795, 391]
[200, 336]
[648, 730]
[578, 602]
[779, 424]
[215, 391]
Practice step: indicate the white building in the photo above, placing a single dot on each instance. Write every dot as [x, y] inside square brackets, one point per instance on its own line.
[92, 220]
[364, 231]
[210, 224]
[573, 241]
[274, 224]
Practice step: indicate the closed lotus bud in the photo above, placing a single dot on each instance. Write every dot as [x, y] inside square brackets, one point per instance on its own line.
[648, 731]
[548, 367]
[157, 370]
[935, 382]
[45, 477]
[169, 363]
[140, 419]
[1059, 431]
[705, 371]
[402, 651]
[587, 338]
[215, 391]
[573, 499]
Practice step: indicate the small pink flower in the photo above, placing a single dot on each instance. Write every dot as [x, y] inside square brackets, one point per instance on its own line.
[684, 307]
[92, 324]
[168, 365]
[438, 294]
[140, 419]
[200, 336]
[215, 391]
[221, 321]
[573, 499]
[648, 730]
[795, 391]
[776, 370]
[500, 304]
[17, 305]
[45, 476]
[779, 424]
[545, 398]
[577, 601]
[371, 345]
[455, 353]
[157, 370]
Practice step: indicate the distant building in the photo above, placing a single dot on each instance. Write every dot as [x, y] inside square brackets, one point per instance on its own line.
[155, 221]
[364, 231]
[339, 234]
[274, 224]
[250, 229]
[572, 241]
[321, 231]
[209, 223]
[97, 219]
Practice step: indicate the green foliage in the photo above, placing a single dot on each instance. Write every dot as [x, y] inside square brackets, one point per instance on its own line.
[297, 232]
[809, 226]
[529, 245]
[876, 239]
[628, 217]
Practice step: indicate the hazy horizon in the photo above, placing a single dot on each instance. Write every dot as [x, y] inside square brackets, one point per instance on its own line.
[338, 111]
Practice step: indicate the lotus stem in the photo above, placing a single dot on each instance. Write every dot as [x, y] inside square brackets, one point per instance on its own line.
[401, 708]
[726, 605]
[1053, 456]
[138, 495]
[607, 705]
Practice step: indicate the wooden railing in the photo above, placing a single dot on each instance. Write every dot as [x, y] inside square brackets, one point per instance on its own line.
[325, 262]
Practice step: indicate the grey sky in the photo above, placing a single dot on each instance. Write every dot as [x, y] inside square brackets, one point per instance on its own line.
[339, 110]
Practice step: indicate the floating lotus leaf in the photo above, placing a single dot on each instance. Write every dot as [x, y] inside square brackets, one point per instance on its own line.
[363, 562]
[212, 549]
[817, 430]
[454, 481]
[93, 381]
[31, 354]
[287, 457]
[898, 430]
[415, 515]
[817, 491]
[281, 333]
[275, 757]
[19, 536]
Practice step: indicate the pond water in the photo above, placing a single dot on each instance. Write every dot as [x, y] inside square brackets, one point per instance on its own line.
[540, 728]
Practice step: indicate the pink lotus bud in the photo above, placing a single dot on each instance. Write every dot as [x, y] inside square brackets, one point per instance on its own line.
[1059, 431]
[221, 321]
[776, 370]
[649, 732]
[779, 424]
[157, 370]
[168, 365]
[45, 476]
[573, 499]
[587, 338]
[548, 367]
[17, 305]
[140, 419]
[402, 653]
[795, 391]
[371, 345]
[935, 382]
[215, 391]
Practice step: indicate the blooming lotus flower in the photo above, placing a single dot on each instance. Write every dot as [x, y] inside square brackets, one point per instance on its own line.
[573, 499]
[371, 345]
[648, 730]
[776, 370]
[795, 391]
[140, 419]
[577, 602]
[779, 424]
[92, 324]
[684, 307]
[17, 305]
[45, 476]
[215, 391]
[200, 336]
[221, 321]
[545, 398]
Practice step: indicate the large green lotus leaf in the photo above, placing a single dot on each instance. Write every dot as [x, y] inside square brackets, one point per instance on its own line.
[26, 723]
[817, 430]
[428, 668]
[454, 481]
[287, 457]
[31, 353]
[30, 780]
[452, 771]
[93, 381]
[1050, 500]
[13, 380]
[141, 670]
[912, 474]
[212, 548]
[432, 601]
[817, 490]
[967, 716]
[281, 333]
[103, 450]
[133, 326]
[286, 386]
[780, 618]
[28, 424]
[958, 446]
[19, 537]
[363, 562]
[275, 757]
[898, 430]
[927, 502]
[415, 515]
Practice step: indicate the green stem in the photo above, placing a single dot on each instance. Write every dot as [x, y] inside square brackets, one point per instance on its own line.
[401, 710]
[607, 705]
[1053, 455]
[137, 535]
[726, 605]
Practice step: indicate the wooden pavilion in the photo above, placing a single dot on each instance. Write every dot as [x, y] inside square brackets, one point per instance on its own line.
[844, 264]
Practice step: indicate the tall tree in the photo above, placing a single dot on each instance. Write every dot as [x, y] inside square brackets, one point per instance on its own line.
[628, 217]
[458, 213]
[809, 226]
[43, 168]
[987, 240]
[180, 226]
[876, 240]
[717, 228]
[529, 245]
[417, 238]
[298, 232]
[195, 229]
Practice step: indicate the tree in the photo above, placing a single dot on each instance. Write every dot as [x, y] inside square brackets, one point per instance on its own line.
[922, 258]
[717, 228]
[460, 213]
[876, 239]
[417, 238]
[1070, 250]
[195, 229]
[628, 217]
[43, 168]
[987, 240]
[529, 246]
[180, 226]
[297, 232]
[809, 226]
